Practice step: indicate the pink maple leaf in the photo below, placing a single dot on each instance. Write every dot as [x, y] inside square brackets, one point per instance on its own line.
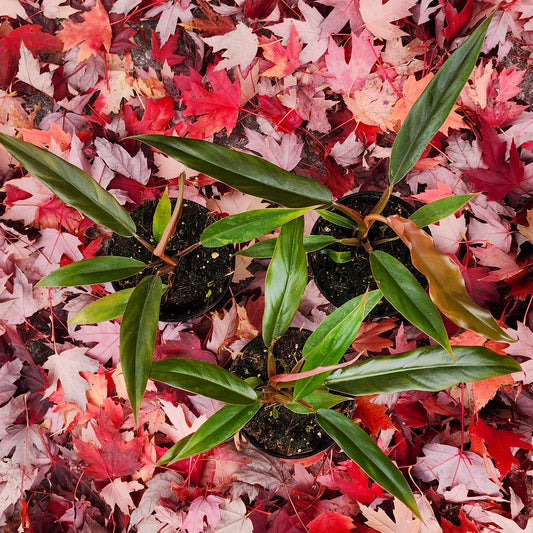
[379, 16]
[452, 467]
[203, 509]
[55, 244]
[348, 77]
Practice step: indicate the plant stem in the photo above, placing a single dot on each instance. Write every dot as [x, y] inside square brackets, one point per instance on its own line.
[353, 215]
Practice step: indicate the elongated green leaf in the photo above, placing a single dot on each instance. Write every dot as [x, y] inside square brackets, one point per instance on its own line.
[137, 337]
[439, 209]
[432, 108]
[285, 283]
[429, 369]
[92, 271]
[161, 216]
[447, 287]
[355, 443]
[338, 220]
[246, 226]
[71, 184]
[106, 308]
[214, 431]
[338, 257]
[319, 400]
[265, 249]
[203, 378]
[244, 172]
[405, 294]
[329, 342]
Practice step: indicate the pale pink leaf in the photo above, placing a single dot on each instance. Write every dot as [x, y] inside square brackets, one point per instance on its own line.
[492, 256]
[240, 47]
[404, 520]
[118, 493]
[234, 518]
[347, 152]
[449, 233]
[53, 9]
[282, 149]
[53, 245]
[496, 232]
[105, 336]
[451, 467]
[30, 72]
[203, 509]
[182, 421]
[507, 525]
[378, 17]
[169, 15]
[26, 209]
[9, 373]
[66, 367]
[12, 9]
[26, 445]
[9, 413]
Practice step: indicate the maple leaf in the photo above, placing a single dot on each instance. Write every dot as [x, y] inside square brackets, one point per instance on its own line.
[203, 508]
[404, 519]
[29, 71]
[111, 456]
[234, 518]
[330, 522]
[66, 367]
[285, 59]
[157, 115]
[9, 373]
[344, 11]
[25, 446]
[452, 467]
[348, 77]
[368, 338]
[52, 9]
[214, 24]
[496, 443]
[378, 17]
[507, 525]
[12, 9]
[10, 412]
[217, 108]
[282, 149]
[449, 233]
[373, 416]
[169, 14]
[240, 47]
[105, 336]
[91, 34]
[165, 53]
[55, 244]
[118, 493]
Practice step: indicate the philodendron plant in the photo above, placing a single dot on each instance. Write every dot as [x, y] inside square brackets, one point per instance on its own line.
[306, 387]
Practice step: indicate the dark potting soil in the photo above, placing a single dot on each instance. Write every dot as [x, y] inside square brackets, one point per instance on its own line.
[340, 282]
[276, 429]
[201, 278]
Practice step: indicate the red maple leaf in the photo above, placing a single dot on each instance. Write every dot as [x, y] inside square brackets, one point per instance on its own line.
[501, 177]
[156, 117]
[114, 457]
[166, 52]
[282, 118]
[496, 443]
[456, 20]
[373, 416]
[465, 525]
[330, 522]
[216, 107]
[33, 38]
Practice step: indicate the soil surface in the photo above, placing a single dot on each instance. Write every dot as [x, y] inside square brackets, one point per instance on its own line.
[202, 276]
[276, 429]
[340, 282]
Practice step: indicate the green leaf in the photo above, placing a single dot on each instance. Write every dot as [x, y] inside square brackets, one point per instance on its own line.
[338, 257]
[337, 219]
[329, 342]
[244, 172]
[214, 431]
[405, 294]
[265, 249]
[432, 108]
[161, 216]
[246, 226]
[355, 443]
[72, 185]
[203, 378]
[92, 271]
[439, 209]
[106, 308]
[285, 283]
[319, 400]
[137, 337]
[428, 369]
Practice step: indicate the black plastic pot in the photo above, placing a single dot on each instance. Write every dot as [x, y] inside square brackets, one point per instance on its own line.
[202, 277]
[276, 430]
[340, 282]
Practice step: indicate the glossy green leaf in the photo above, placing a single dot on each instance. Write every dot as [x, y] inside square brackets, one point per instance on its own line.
[265, 249]
[162, 215]
[432, 108]
[428, 369]
[137, 337]
[247, 226]
[357, 445]
[71, 184]
[214, 431]
[447, 287]
[204, 378]
[319, 400]
[106, 308]
[338, 257]
[405, 294]
[439, 209]
[92, 271]
[338, 220]
[329, 342]
[285, 282]
[244, 172]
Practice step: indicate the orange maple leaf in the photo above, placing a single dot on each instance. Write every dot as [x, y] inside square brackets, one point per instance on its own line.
[285, 59]
[91, 34]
